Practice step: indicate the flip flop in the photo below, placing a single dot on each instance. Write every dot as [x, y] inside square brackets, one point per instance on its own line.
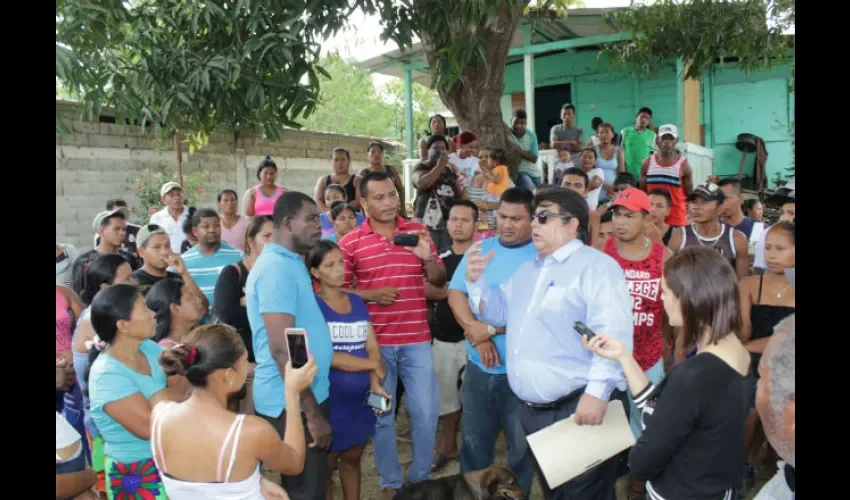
[440, 462]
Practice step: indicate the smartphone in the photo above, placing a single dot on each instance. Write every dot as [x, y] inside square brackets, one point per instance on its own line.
[296, 339]
[406, 240]
[376, 401]
[583, 329]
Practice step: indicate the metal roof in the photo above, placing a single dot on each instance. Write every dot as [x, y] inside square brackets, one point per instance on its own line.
[579, 23]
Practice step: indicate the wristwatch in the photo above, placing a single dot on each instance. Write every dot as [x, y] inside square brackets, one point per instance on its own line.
[491, 330]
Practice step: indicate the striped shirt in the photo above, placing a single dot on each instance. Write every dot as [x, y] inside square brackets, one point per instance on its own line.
[371, 262]
[205, 268]
[670, 178]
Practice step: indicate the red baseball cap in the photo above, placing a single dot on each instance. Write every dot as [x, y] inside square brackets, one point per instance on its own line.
[632, 199]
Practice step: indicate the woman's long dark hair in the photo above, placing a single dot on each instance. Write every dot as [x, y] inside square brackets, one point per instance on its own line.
[110, 305]
[216, 347]
[100, 271]
[707, 289]
[159, 299]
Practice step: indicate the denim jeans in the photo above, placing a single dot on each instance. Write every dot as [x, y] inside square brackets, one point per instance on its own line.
[488, 406]
[414, 364]
[529, 182]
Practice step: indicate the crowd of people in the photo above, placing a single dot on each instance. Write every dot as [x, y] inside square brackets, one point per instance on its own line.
[173, 370]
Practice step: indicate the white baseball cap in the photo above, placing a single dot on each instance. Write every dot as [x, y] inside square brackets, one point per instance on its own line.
[168, 187]
[668, 129]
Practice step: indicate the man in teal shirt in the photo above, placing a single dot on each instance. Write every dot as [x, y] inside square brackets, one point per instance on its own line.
[524, 141]
[488, 402]
[279, 295]
[638, 142]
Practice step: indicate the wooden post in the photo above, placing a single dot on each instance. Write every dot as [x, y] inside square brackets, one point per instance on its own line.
[689, 93]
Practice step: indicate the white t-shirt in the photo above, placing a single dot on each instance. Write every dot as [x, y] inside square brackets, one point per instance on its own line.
[66, 435]
[466, 168]
[174, 228]
[593, 195]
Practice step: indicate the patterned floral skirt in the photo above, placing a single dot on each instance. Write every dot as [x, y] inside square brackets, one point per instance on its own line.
[96, 446]
[133, 481]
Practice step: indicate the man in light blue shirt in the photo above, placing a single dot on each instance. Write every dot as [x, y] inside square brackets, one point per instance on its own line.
[488, 403]
[279, 295]
[205, 260]
[524, 141]
[548, 368]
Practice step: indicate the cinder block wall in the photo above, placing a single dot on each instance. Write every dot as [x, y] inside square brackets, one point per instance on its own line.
[99, 161]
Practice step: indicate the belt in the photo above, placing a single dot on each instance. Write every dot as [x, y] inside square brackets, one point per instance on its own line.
[558, 402]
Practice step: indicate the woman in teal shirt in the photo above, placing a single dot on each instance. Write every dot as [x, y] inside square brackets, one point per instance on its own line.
[124, 383]
[344, 219]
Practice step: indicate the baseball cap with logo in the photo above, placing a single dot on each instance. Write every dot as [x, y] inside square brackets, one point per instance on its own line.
[668, 130]
[145, 233]
[708, 192]
[168, 187]
[632, 199]
[106, 214]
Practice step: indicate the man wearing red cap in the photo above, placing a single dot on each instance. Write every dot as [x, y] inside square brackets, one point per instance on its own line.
[642, 261]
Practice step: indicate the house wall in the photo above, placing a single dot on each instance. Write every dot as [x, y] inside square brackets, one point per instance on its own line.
[99, 161]
[731, 102]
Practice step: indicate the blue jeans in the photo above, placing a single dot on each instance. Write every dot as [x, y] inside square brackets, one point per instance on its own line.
[488, 406]
[414, 364]
[529, 182]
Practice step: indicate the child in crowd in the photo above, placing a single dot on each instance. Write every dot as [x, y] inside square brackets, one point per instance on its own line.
[564, 161]
[491, 182]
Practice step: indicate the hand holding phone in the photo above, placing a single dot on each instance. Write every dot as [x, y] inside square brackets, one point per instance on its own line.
[299, 379]
[406, 240]
[585, 330]
[296, 340]
[607, 347]
[377, 402]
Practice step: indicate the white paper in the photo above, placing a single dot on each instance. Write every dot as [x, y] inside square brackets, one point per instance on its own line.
[564, 450]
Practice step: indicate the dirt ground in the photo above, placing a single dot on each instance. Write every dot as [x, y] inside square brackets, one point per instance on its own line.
[371, 491]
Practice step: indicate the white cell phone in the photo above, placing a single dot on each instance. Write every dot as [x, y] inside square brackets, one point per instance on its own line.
[296, 340]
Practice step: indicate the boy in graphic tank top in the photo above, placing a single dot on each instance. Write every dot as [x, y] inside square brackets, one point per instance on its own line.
[667, 169]
[642, 260]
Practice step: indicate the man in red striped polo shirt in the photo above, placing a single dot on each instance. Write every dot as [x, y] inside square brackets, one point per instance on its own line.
[389, 278]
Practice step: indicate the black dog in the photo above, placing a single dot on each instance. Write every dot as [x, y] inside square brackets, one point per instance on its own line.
[493, 483]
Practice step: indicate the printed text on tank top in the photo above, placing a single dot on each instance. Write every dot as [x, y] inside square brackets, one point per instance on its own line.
[643, 274]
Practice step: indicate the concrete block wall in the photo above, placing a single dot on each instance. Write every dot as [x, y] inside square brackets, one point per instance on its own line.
[99, 161]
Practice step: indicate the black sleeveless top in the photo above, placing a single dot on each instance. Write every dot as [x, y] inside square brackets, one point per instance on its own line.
[763, 318]
[350, 191]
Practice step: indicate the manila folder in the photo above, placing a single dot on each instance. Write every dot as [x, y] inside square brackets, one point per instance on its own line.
[564, 450]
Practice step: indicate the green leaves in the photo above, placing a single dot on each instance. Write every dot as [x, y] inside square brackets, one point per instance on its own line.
[703, 31]
[193, 66]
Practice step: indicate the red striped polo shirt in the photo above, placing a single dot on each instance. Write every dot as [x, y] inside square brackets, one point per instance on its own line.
[371, 262]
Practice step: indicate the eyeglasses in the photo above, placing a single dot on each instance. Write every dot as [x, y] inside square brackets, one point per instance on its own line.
[544, 215]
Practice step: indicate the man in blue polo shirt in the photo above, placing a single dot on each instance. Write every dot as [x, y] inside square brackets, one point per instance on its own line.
[488, 402]
[279, 295]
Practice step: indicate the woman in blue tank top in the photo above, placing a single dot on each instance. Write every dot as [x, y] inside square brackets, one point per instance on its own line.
[356, 367]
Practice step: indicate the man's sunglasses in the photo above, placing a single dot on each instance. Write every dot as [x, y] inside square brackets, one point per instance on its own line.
[544, 215]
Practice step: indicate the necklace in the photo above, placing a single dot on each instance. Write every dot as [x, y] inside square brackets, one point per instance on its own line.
[780, 292]
[713, 239]
[635, 255]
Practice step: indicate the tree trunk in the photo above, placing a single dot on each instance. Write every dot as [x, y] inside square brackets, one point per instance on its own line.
[178, 149]
[475, 98]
